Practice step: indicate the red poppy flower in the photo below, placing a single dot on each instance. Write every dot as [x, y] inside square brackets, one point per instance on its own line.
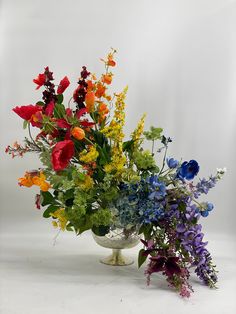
[61, 154]
[36, 119]
[40, 80]
[26, 112]
[64, 83]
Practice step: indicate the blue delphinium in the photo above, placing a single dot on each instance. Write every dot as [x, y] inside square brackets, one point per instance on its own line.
[206, 208]
[188, 170]
[172, 163]
[157, 188]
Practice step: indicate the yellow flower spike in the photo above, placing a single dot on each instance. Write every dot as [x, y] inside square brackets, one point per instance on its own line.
[137, 133]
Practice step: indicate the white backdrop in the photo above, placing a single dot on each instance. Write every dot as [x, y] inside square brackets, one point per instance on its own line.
[177, 56]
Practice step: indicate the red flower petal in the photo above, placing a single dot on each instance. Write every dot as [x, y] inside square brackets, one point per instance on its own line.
[50, 108]
[40, 80]
[64, 83]
[81, 112]
[62, 153]
[62, 123]
[26, 112]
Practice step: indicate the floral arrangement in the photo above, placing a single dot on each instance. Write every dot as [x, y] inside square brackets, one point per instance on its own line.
[94, 178]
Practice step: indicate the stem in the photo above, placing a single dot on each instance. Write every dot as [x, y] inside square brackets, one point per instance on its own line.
[31, 137]
[88, 140]
[164, 159]
[153, 142]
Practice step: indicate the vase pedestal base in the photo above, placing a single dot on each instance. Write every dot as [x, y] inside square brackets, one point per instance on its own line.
[117, 259]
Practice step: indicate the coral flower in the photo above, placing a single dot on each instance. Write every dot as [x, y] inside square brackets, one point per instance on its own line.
[64, 83]
[78, 133]
[90, 100]
[40, 80]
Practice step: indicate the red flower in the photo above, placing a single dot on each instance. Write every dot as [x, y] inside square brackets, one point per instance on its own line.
[50, 108]
[64, 83]
[26, 112]
[62, 123]
[69, 112]
[40, 80]
[61, 154]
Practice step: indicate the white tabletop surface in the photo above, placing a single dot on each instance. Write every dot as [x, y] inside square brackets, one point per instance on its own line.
[39, 277]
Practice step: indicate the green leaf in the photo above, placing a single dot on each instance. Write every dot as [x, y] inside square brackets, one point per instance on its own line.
[141, 258]
[40, 103]
[51, 209]
[60, 98]
[128, 145]
[59, 111]
[25, 124]
[47, 198]
[101, 230]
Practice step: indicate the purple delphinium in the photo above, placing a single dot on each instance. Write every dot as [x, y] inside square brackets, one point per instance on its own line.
[203, 186]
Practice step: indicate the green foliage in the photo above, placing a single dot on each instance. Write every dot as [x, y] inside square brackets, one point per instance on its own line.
[141, 258]
[144, 160]
[128, 146]
[100, 230]
[25, 124]
[153, 134]
[47, 198]
[101, 216]
[59, 111]
[51, 209]
[60, 98]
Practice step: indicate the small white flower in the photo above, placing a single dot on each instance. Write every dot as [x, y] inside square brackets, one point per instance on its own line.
[221, 170]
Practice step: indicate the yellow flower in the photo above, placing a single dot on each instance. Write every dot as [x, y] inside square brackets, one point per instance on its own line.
[62, 220]
[137, 133]
[87, 184]
[115, 132]
[90, 155]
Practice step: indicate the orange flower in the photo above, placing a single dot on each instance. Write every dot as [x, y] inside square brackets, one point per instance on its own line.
[40, 181]
[25, 181]
[107, 78]
[90, 86]
[110, 60]
[32, 178]
[78, 133]
[100, 90]
[103, 109]
[90, 100]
